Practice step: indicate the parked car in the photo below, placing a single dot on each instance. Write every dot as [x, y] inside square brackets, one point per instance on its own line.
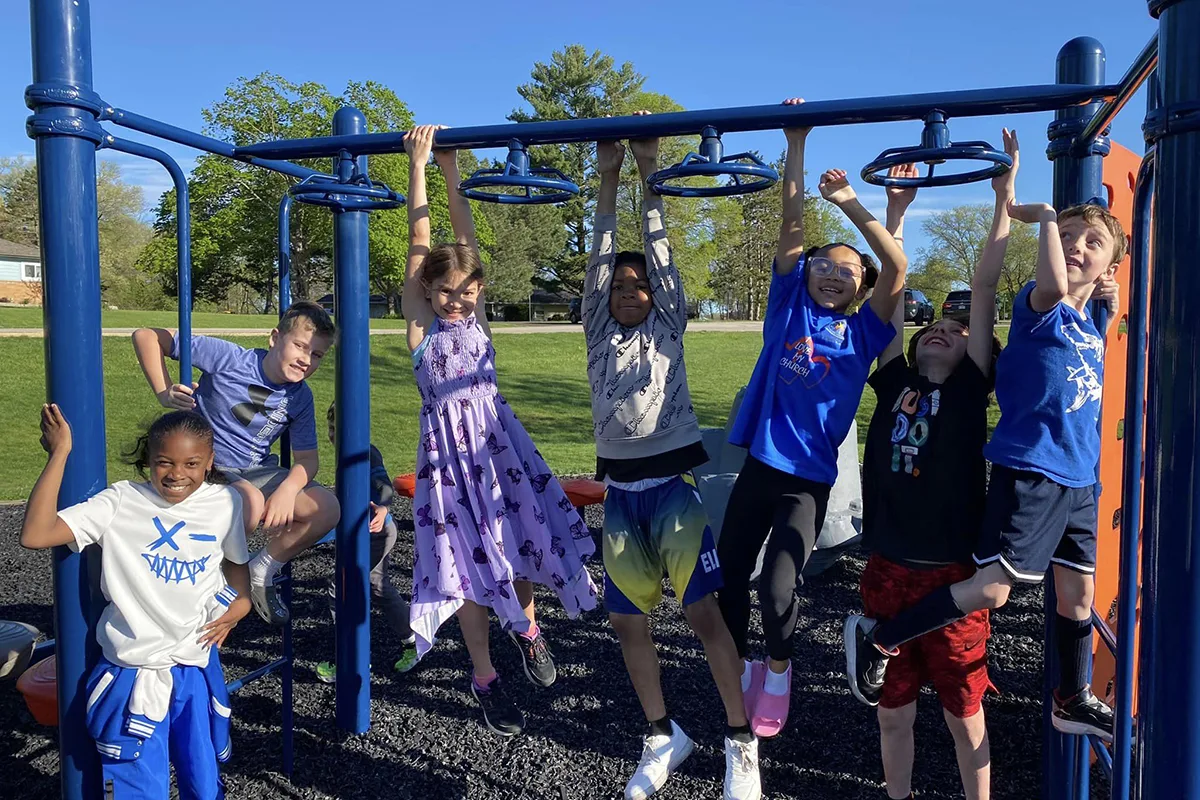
[917, 308]
[958, 304]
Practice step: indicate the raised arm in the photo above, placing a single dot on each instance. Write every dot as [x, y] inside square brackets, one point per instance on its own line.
[152, 346]
[418, 143]
[898, 201]
[461, 221]
[791, 229]
[991, 262]
[42, 526]
[597, 282]
[666, 287]
[1051, 276]
[893, 264]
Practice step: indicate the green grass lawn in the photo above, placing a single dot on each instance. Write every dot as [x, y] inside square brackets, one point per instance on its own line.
[543, 376]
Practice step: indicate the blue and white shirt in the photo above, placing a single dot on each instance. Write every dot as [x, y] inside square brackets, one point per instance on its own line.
[1049, 382]
[247, 411]
[160, 568]
[808, 381]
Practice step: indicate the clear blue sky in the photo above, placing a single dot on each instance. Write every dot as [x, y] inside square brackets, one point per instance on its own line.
[169, 60]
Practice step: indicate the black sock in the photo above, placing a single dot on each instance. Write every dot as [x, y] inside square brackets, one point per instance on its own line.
[660, 727]
[1074, 654]
[935, 610]
[739, 734]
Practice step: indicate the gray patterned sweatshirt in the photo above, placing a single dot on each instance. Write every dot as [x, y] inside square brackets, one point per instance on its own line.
[640, 401]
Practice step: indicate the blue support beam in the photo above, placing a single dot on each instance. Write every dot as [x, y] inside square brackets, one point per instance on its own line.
[1169, 712]
[351, 291]
[1137, 74]
[183, 243]
[1077, 179]
[65, 134]
[973, 103]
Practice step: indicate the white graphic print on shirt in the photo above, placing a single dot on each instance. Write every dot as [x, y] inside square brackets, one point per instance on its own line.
[1087, 383]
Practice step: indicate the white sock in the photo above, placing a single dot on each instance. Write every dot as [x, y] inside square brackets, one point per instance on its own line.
[263, 568]
[777, 682]
[746, 676]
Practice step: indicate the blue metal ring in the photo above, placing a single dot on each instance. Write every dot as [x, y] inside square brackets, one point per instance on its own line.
[44, 124]
[63, 94]
[346, 196]
[693, 165]
[552, 186]
[966, 151]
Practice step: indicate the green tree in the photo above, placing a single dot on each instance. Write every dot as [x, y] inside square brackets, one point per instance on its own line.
[933, 277]
[574, 84]
[956, 240]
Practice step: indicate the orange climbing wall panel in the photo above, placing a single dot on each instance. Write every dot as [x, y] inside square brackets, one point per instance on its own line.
[1120, 171]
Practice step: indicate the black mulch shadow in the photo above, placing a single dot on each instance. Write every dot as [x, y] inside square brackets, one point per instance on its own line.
[582, 734]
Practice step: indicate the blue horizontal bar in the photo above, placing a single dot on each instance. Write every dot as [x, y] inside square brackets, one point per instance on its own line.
[1102, 755]
[250, 678]
[128, 119]
[1133, 79]
[1106, 634]
[973, 103]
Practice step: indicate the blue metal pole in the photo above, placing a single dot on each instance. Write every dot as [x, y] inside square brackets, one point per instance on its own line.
[351, 294]
[1131, 499]
[853, 111]
[183, 243]
[286, 672]
[65, 132]
[1169, 719]
[1077, 178]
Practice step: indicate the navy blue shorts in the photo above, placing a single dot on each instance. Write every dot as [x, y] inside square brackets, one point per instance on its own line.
[1031, 522]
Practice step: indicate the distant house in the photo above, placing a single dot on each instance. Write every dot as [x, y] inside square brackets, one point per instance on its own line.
[379, 305]
[20, 273]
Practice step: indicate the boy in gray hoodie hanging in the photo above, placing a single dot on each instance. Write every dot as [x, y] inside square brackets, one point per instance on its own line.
[647, 443]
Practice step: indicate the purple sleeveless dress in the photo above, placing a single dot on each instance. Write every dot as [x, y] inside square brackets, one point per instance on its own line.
[487, 509]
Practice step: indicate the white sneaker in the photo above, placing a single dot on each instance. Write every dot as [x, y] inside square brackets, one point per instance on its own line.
[661, 755]
[741, 771]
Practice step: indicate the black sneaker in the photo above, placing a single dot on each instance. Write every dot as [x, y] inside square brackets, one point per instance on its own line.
[1083, 714]
[865, 663]
[536, 658]
[499, 713]
[267, 600]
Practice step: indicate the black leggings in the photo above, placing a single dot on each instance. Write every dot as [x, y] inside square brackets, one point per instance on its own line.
[766, 501]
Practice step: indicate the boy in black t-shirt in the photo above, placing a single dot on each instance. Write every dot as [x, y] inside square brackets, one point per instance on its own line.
[924, 483]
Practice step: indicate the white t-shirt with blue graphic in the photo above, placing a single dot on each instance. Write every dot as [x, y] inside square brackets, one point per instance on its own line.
[246, 410]
[1049, 382]
[160, 568]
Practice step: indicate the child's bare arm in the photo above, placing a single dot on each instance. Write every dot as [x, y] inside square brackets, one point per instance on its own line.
[42, 526]
[461, 221]
[417, 143]
[893, 264]
[1051, 277]
[791, 229]
[152, 346]
[216, 632]
[991, 262]
[899, 199]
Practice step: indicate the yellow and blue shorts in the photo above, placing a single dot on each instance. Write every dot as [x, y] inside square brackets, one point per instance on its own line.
[661, 530]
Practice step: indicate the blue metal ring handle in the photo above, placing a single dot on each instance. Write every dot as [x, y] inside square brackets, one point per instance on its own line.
[346, 196]
[743, 165]
[541, 185]
[998, 164]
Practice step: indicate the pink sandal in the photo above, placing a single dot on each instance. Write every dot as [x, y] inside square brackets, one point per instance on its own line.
[758, 671]
[771, 710]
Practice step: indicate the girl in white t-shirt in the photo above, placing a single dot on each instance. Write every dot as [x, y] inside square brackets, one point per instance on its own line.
[174, 573]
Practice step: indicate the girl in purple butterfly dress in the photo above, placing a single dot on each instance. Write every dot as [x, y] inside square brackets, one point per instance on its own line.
[490, 518]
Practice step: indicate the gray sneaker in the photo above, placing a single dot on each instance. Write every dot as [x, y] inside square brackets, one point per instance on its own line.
[268, 603]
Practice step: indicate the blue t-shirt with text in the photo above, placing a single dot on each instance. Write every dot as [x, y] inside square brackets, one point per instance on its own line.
[246, 410]
[1049, 381]
[808, 381]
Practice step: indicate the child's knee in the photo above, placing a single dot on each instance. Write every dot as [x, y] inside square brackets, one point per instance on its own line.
[994, 595]
[253, 504]
[897, 720]
[1074, 589]
[324, 507]
[629, 626]
[704, 616]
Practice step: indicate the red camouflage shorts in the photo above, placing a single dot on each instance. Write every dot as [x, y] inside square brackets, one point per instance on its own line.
[953, 658]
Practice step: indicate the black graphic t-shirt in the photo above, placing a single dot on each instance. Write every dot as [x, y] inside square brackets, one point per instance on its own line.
[924, 476]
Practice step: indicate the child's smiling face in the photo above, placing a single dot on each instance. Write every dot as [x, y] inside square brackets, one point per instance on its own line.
[835, 278]
[629, 299]
[178, 464]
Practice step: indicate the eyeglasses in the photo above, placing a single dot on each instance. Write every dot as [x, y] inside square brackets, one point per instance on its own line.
[825, 267]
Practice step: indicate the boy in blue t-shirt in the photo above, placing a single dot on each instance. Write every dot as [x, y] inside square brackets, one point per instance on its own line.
[797, 410]
[250, 397]
[1041, 506]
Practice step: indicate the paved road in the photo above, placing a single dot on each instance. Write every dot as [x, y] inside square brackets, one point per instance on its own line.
[751, 327]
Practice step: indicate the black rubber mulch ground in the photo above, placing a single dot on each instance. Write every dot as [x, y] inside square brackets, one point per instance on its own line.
[582, 736]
